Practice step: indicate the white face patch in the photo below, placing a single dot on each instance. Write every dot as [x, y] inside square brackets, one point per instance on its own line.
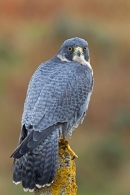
[62, 58]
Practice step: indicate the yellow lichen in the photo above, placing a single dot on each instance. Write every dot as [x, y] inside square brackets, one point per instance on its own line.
[65, 180]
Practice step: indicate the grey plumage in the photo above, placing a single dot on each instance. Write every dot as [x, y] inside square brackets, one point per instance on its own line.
[56, 102]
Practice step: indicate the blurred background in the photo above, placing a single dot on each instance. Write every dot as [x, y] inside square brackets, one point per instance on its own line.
[32, 32]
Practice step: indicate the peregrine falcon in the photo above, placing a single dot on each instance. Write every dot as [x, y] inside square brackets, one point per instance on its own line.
[56, 102]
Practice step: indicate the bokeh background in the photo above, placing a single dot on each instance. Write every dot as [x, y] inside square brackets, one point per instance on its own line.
[32, 32]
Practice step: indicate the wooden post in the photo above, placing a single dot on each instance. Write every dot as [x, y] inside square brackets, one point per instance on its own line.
[65, 180]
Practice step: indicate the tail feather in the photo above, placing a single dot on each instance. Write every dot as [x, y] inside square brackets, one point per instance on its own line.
[18, 170]
[47, 166]
[27, 170]
[54, 156]
[38, 167]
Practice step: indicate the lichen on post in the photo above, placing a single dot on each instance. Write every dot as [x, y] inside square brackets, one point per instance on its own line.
[65, 180]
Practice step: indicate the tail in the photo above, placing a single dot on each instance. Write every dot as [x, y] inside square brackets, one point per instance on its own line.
[37, 167]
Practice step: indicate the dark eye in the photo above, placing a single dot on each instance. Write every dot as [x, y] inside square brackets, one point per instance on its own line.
[69, 48]
[85, 48]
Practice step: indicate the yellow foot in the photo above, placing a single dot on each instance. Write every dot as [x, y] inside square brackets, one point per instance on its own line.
[66, 144]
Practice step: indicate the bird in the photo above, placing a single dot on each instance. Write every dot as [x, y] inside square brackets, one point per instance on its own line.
[56, 103]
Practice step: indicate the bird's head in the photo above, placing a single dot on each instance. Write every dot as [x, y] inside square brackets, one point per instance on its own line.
[75, 49]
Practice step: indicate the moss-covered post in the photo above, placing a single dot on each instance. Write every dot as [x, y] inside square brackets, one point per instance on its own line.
[65, 180]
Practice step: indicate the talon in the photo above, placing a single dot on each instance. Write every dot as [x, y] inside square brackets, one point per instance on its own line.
[66, 144]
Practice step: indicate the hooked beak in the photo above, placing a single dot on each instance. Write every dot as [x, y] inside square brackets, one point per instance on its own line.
[78, 51]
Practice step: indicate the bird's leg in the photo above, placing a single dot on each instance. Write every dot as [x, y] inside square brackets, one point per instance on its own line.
[65, 143]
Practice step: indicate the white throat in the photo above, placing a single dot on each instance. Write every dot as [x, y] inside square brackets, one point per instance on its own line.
[81, 60]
